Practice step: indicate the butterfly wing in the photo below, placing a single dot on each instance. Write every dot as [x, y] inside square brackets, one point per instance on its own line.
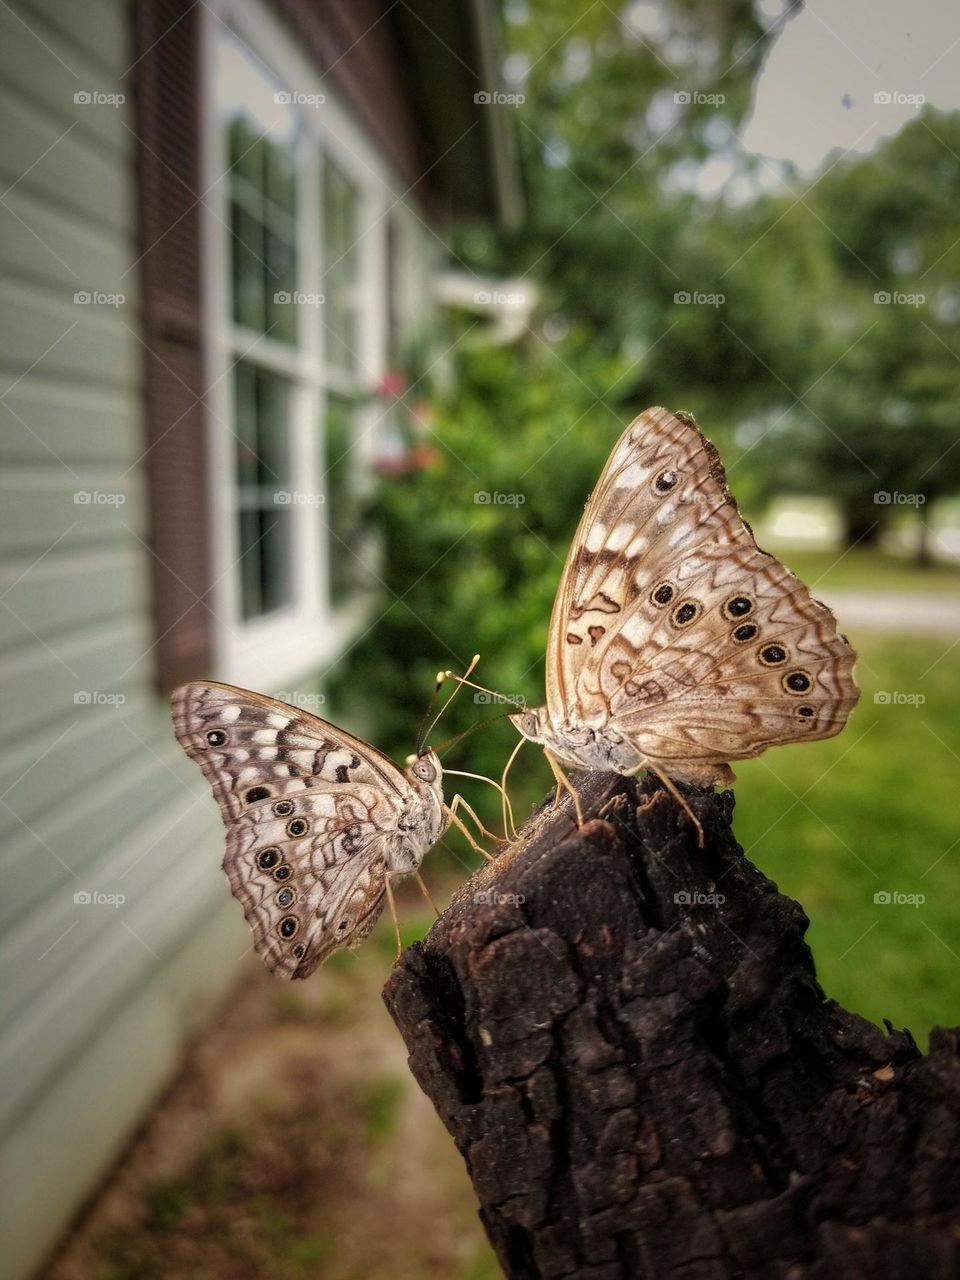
[647, 632]
[733, 680]
[311, 815]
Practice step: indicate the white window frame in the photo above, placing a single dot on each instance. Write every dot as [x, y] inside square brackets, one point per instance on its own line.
[277, 649]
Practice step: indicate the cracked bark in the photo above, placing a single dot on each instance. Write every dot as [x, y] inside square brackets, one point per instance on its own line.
[643, 1086]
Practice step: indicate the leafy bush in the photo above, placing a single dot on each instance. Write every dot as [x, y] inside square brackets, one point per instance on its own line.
[470, 575]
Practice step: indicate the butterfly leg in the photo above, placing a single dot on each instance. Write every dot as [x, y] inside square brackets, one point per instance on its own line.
[459, 802]
[393, 911]
[503, 787]
[451, 812]
[564, 783]
[672, 789]
[425, 891]
[504, 800]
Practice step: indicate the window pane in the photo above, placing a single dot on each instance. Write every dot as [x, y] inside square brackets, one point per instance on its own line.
[341, 283]
[247, 251]
[264, 569]
[342, 509]
[280, 181]
[262, 473]
[262, 134]
[281, 315]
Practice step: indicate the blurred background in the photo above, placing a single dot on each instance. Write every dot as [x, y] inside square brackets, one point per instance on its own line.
[320, 321]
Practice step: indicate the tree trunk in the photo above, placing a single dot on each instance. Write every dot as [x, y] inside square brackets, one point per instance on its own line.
[863, 521]
[625, 1037]
[924, 557]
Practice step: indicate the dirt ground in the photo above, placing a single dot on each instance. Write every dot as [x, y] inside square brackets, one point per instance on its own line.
[294, 1144]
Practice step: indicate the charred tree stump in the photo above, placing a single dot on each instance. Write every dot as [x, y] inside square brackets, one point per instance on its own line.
[625, 1036]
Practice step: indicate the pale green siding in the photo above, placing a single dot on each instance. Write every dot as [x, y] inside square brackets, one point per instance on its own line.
[96, 1001]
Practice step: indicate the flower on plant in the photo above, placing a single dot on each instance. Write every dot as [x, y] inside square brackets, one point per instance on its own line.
[392, 385]
[422, 457]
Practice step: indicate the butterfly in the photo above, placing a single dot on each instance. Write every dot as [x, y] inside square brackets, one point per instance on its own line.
[318, 822]
[675, 643]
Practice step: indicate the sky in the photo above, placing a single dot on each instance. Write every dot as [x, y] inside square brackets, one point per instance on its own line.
[819, 83]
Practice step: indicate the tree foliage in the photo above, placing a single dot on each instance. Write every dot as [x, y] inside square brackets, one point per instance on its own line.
[815, 367]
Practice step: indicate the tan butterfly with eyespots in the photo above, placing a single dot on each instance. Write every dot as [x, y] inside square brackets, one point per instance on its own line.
[318, 822]
[675, 643]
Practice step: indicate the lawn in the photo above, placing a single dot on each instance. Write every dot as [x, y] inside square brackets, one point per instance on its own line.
[873, 811]
[864, 569]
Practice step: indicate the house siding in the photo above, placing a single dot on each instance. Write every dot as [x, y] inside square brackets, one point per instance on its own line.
[99, 1001]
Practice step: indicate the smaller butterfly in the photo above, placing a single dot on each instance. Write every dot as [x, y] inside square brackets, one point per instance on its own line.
[318, 822]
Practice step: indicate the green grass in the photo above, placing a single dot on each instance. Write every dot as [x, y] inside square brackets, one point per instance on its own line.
[864, 569]
[873, 810]
[378, 1103]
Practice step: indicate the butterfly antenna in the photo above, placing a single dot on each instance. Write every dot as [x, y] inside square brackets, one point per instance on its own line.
[441, 676]
[474, 728]
[500, 697]
[421, 730]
